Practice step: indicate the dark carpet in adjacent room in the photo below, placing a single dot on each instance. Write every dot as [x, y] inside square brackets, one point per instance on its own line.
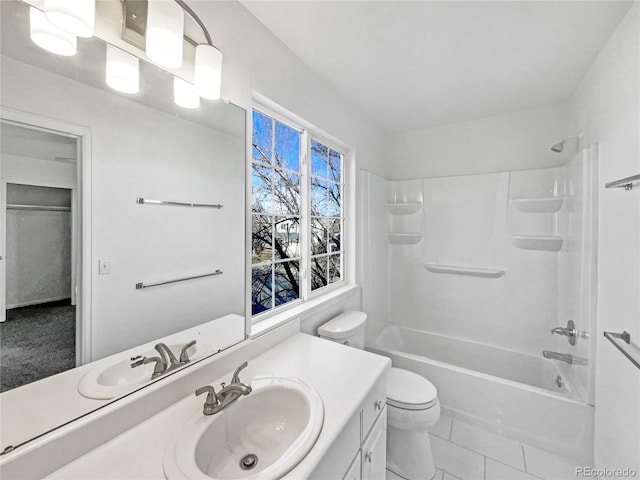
[36, 342]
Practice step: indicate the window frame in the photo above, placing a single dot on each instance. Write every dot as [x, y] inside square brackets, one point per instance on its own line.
[307, 133]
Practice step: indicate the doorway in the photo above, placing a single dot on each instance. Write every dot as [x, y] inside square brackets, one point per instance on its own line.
[41, 258]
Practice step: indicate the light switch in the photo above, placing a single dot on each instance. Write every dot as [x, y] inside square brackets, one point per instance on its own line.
[104, 267]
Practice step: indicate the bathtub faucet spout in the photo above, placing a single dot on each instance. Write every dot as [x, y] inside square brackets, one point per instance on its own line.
[565, 357]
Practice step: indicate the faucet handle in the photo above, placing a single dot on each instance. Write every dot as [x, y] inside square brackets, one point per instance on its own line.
[212, 399]
[184, 356]
[236, 376]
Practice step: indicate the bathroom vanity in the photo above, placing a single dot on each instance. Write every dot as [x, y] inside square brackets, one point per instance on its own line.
[137, 437]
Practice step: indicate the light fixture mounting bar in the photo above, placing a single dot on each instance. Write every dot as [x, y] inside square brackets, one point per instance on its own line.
[134, 26]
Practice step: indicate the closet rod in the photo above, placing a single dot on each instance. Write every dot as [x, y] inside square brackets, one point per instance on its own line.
[51, 208]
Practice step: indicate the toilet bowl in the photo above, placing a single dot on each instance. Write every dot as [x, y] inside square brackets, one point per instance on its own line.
[412, 404]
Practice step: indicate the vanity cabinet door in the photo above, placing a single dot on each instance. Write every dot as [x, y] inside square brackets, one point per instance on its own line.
[372, 407]
[354, 470]
[374, 450]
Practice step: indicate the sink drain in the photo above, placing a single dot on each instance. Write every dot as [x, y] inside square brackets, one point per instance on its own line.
[248, 461]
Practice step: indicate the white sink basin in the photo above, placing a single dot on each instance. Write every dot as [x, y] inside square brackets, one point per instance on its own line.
[113, 378]
[278, 423]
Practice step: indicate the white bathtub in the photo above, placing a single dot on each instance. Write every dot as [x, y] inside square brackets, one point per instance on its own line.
[501, 390]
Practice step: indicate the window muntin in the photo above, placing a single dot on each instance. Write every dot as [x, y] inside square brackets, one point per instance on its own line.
[289, 194]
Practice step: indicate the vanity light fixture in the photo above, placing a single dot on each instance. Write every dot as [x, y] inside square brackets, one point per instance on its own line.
[48, 36]
[76, 17]
[122, 70]
[184, 94]
[165, 30]
[208, 71]
[155, 27]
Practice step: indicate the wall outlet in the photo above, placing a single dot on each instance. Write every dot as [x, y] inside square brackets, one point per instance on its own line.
[104, 267]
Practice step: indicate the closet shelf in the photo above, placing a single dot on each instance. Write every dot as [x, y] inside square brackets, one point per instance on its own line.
[538, 205]
[403, 208]
[463, 270]
[547, 243]
[408, 238]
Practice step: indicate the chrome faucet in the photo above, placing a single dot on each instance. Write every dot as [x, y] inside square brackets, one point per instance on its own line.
[569, 331]
[227, 395]
[166, 361]
[565, 357]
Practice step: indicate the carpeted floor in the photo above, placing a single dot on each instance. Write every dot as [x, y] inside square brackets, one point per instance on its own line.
[36, 342]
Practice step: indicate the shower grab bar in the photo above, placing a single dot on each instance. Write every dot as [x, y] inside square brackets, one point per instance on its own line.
[626, 338]
[48, 208]
[626, 183]
[141, 285]
[565, 357]
[143, 201]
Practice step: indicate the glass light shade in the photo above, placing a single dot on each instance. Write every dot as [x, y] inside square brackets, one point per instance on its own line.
[50, 37]
[165, 31]
[184, 94]
[208, 72]
[123, 71]
[76, 17]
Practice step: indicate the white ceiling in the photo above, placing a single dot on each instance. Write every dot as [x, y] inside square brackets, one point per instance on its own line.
[416, 64]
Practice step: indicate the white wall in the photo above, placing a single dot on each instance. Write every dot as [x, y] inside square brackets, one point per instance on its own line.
[607, 112]
[141, 152]
[256, 61]
[512, 141]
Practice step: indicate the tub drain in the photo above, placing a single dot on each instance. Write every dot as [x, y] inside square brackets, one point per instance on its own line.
[248, 461]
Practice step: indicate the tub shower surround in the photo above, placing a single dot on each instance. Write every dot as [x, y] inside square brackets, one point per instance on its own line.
[504, 258]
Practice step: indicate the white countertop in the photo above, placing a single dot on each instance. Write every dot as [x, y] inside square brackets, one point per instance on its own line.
[342, 376]
[38, 407]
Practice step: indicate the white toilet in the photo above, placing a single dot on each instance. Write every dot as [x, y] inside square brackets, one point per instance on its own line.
[412, 404]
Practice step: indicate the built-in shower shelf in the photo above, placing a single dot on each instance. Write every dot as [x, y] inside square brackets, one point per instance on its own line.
[403, 208]
[408, 238]
[547, 243]
[538, 205]
[463, 270]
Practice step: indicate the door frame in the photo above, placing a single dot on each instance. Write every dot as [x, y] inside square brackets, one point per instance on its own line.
[81, 261]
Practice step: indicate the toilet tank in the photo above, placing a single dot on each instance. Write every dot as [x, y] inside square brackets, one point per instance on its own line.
[347, 328]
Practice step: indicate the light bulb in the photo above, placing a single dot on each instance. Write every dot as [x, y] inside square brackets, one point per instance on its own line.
[184, 94]
[76, 17]
[50, 37]
[208, 72]
[165, 30]
[122, 70]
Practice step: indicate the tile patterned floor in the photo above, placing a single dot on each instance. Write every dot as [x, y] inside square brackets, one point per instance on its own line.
[466, 452]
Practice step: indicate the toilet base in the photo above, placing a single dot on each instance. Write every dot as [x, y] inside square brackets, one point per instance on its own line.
[409, 454]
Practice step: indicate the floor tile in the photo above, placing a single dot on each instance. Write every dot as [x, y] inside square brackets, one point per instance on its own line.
[393, 476]
[500, 471]
[442, 429]
[487, 443]
[548, 466]
[448, 476]
[456, 460]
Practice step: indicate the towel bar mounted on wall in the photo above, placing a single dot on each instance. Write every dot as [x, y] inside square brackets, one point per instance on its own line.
[626, 338]
[140, 285]
[626, 183]
[144, 201]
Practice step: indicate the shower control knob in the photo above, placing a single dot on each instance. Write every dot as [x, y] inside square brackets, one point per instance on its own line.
[569, 331]
[378, 405]
[369, 457]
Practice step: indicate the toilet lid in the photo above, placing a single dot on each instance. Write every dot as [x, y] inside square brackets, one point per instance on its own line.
[409, 390]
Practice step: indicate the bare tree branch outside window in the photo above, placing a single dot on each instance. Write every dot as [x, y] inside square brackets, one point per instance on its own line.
[276, 249]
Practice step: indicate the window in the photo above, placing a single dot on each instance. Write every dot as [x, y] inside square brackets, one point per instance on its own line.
[297, 214]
